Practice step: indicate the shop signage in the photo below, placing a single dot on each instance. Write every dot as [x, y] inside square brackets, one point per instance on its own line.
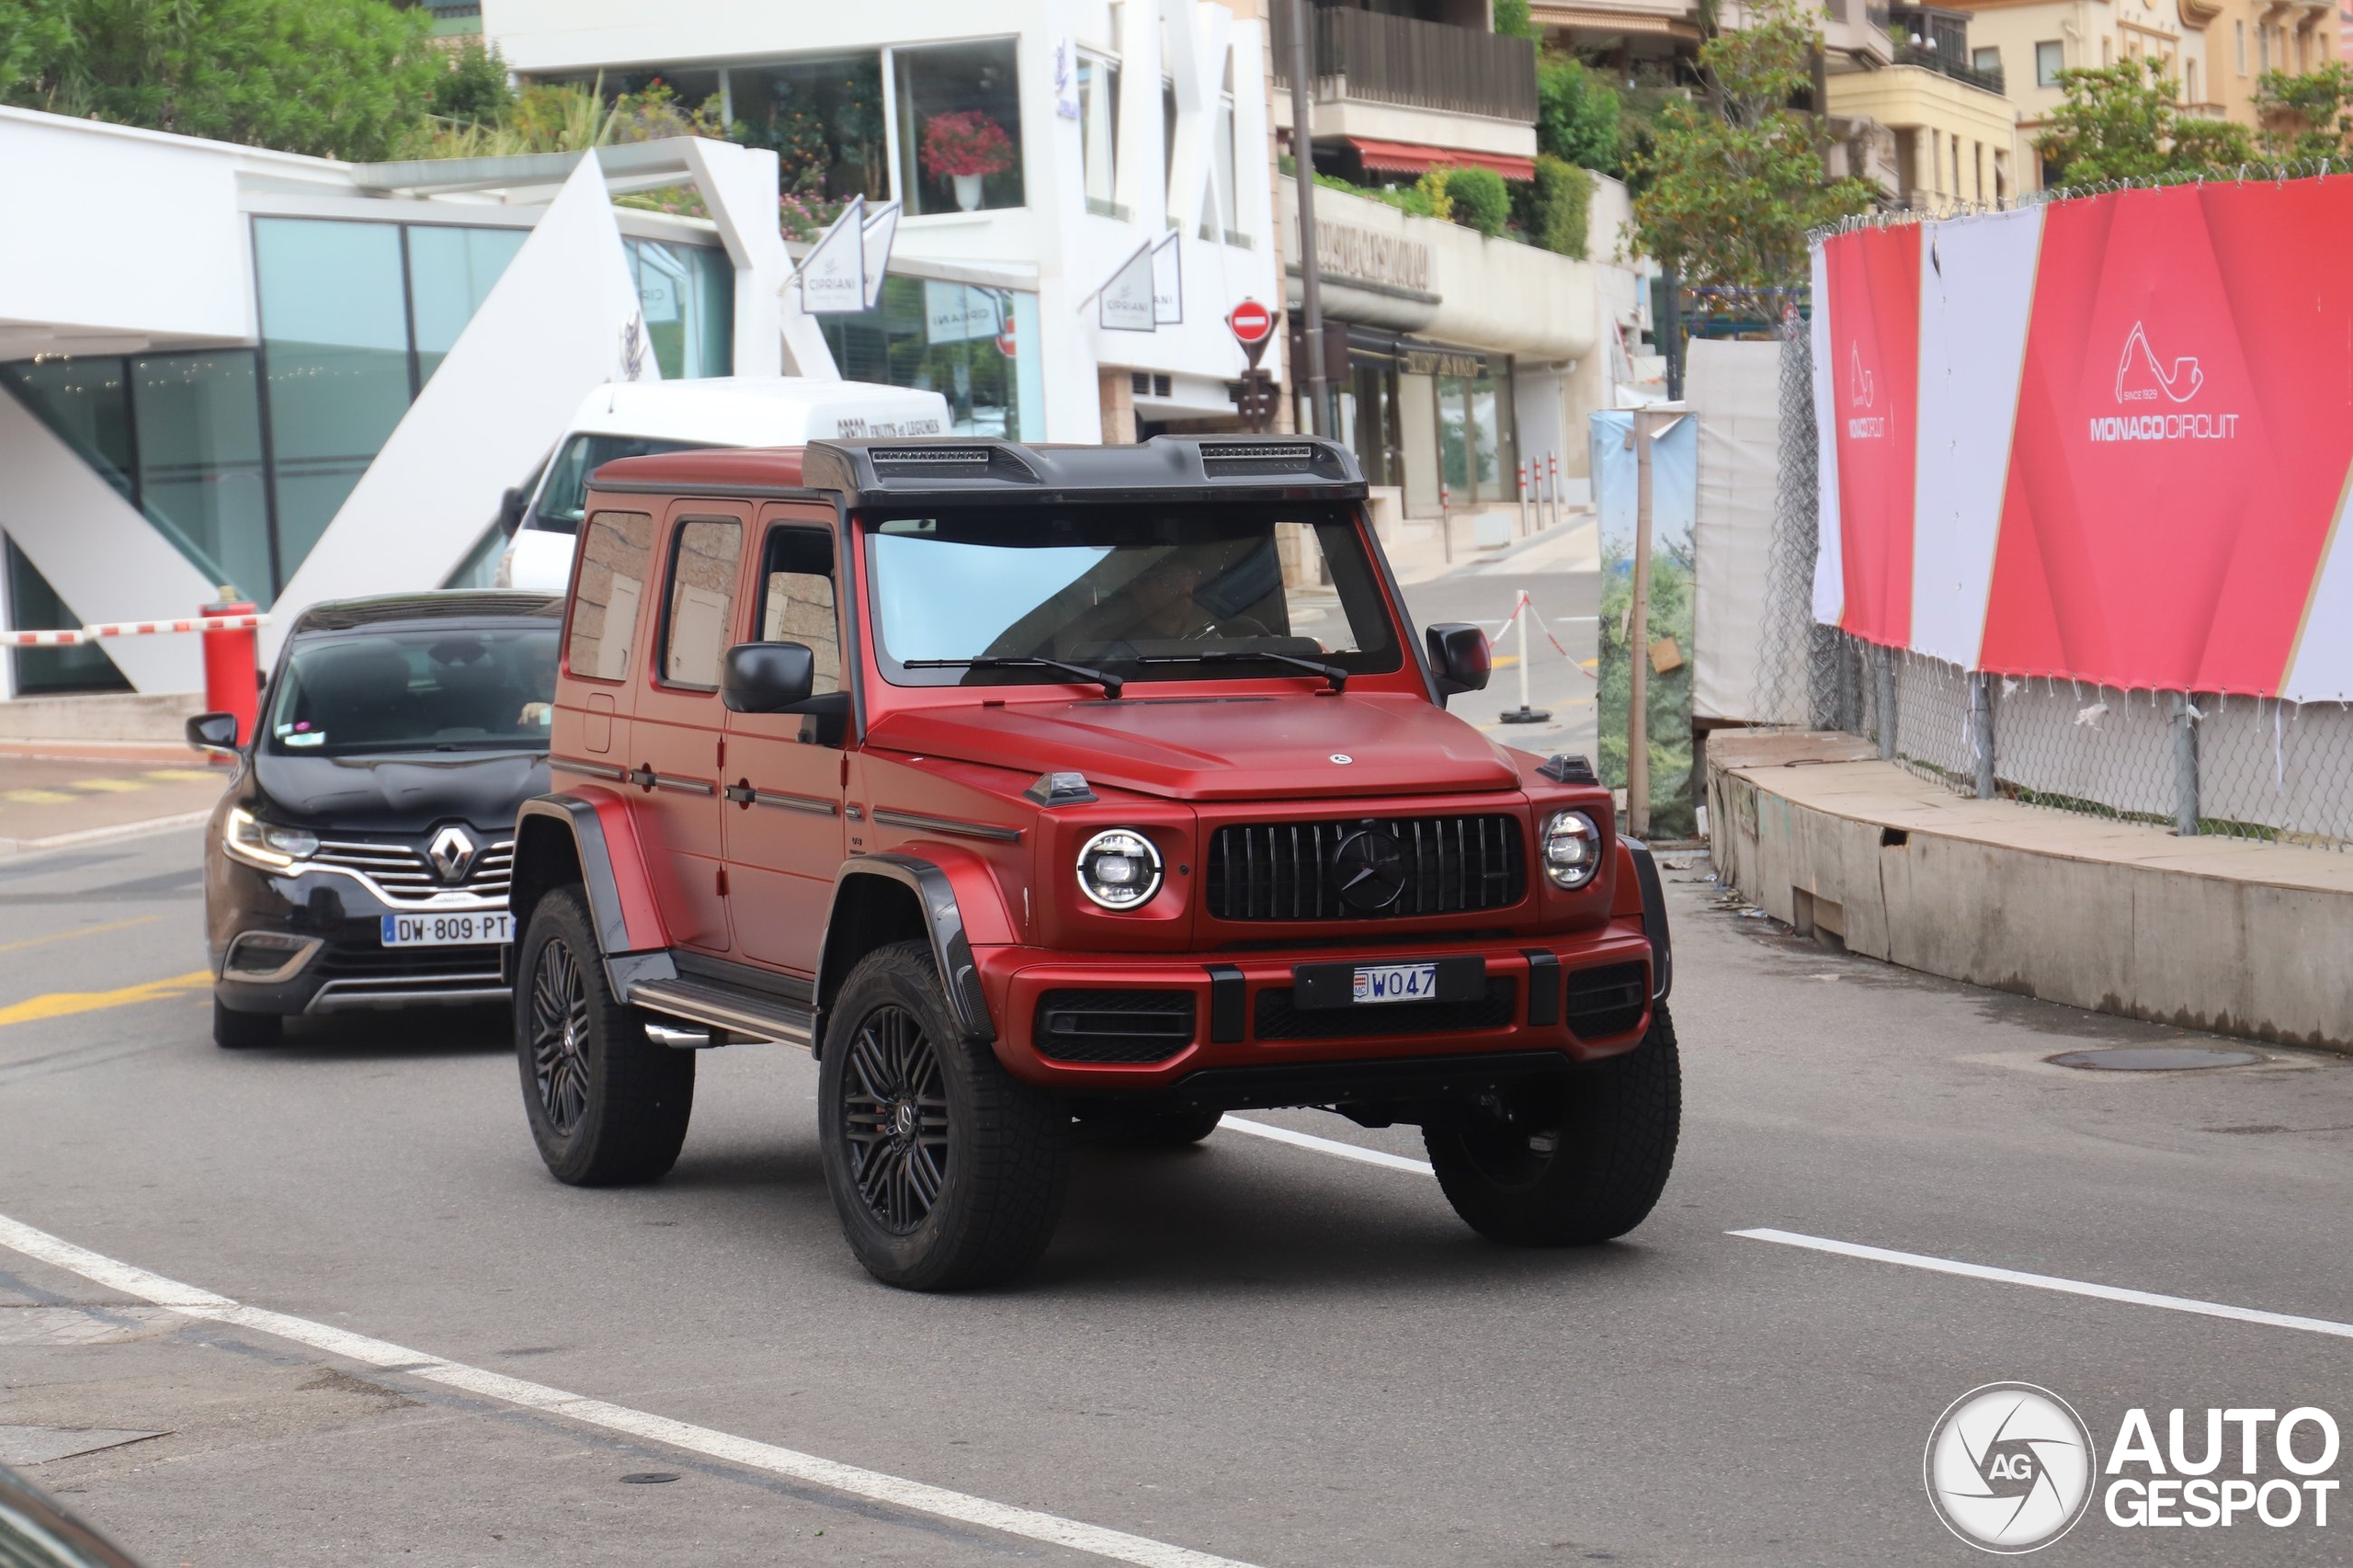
[954, 314]
[1167, 282]
[842, 274]
[1343, 250]
[1439, 362]
[1126, 303]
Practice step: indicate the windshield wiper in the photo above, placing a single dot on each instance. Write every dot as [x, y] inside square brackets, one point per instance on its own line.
[1109, 683]
[1332, 673]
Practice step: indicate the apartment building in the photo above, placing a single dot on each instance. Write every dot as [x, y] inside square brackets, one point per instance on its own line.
[2030, 42]
[1932, 126]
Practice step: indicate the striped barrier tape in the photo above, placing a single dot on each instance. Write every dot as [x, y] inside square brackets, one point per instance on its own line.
[92, 633]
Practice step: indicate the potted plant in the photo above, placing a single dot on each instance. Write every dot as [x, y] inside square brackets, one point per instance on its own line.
[965, 148]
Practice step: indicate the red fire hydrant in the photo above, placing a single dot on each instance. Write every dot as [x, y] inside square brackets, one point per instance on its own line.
[232, 666]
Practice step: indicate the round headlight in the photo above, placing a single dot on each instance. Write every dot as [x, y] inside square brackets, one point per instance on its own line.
[1572, 848]
[1118, 868]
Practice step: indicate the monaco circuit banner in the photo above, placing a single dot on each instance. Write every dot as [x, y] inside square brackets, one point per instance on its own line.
[2106, 440]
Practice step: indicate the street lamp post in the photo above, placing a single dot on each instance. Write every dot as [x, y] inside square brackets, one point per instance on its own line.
[1303, 149]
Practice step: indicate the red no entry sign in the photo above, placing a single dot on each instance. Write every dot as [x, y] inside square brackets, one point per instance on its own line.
[1251, 323]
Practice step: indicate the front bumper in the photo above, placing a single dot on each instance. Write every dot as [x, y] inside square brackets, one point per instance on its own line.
[344, 965]
[1548, 1004]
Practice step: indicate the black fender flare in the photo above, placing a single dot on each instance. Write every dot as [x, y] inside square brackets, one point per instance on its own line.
[1654, 919]
[568, 814]
[959, 978]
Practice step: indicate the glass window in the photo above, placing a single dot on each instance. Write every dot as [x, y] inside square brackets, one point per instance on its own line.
[613, 559]
[704, 565]
[2050, 59]
[450, 272]
[34, 606]
[1098, 133]
[334, 338]
[959, 341]
[824, 119]
[688, 296]
[1986, 60]
[1222, 175]
[199, 462]
[1454, 437]
[564, 499]
[797, 600]
[1174, 592]
[451, 689]
[86, 403]
[960, 127]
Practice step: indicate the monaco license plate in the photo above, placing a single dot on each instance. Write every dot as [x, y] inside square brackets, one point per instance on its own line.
[479, 928]
[1396, 983]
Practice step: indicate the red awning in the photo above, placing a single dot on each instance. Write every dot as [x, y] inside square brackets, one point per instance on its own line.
[1405, 158]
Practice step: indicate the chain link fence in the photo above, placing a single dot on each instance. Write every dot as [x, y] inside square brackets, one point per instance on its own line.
[2247, 768]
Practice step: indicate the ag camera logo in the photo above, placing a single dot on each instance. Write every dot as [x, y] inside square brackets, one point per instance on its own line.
[2010, 1468]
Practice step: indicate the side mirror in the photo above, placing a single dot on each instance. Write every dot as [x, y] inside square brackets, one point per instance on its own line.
[767, 678]
[510, 509]
[213, 732]
[1459, 657]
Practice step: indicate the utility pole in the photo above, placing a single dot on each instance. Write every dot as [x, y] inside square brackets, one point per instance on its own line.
[1638, 642]
[1303, 151]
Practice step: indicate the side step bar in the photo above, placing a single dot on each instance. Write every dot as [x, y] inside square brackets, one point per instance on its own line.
[716, 1007]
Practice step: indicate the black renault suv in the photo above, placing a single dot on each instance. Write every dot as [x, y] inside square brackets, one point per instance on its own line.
[360, 855]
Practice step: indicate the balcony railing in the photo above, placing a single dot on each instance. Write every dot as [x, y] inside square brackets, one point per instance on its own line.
[1938, 60]
[1372, 58]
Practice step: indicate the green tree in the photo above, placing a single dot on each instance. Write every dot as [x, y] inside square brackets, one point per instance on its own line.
[340, 78]
[1512, 20]
[1576, 114]
[2308, 116]
[1554, 209]
[33, 33]
[475, 89]
[1480, 200]
[1729, 187]
[2119, 122]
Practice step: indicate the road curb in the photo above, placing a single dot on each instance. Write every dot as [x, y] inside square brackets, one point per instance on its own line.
[101, 835]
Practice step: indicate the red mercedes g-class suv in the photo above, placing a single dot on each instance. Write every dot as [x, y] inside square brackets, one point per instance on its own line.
[1054, 791]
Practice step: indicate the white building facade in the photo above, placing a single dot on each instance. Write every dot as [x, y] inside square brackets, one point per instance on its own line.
[1089, 130]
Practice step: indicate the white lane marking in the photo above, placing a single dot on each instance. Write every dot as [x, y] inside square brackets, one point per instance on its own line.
[913, 1496]
[1326, 1146]
[2053, 1282]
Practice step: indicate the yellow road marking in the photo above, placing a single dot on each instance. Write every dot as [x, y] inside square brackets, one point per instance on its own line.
[36, 796]
[107, 786]
[65, 1004]
[82, 931]
[181, 775]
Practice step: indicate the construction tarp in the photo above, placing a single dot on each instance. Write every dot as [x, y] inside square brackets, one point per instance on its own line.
[1735, 391]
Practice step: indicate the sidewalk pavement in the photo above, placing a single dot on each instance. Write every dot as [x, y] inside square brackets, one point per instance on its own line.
[1417, 552]
[60, 792]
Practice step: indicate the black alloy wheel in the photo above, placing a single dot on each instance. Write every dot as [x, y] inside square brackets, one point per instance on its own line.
[894, 1119]
[559, 1028]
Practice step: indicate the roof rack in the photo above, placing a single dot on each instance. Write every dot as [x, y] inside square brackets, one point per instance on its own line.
[1248, 467]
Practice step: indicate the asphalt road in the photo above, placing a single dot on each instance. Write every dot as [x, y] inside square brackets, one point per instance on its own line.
[1556, 574]
[1253, 1349]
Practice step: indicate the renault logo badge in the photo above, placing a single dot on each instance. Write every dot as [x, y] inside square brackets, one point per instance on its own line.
[452, 854]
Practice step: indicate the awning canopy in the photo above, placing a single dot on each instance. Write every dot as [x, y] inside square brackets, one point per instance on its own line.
[1406, 158]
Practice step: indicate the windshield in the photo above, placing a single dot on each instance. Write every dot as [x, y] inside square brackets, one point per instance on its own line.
[564, 500]
[1177, 593]
[442, 690]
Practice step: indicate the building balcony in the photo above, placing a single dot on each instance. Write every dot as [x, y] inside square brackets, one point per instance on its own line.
[1394, 79]
[1945, 64]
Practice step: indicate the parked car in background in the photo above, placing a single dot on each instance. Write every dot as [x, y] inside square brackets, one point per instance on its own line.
[629, 419]
[359, 855]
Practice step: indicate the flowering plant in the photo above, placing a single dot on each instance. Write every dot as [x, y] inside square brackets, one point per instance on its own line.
[966, 142]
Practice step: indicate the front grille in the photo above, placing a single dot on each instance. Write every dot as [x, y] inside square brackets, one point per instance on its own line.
[1285, 870]
[1114, 1026]
[403, 874]
[351, 961]
[1279, 1019]
[1606, 1001]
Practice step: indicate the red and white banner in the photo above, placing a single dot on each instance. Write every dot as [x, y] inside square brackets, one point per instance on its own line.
[2107, 439]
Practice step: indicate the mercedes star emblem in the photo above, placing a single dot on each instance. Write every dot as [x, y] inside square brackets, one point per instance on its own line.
[1368, 869]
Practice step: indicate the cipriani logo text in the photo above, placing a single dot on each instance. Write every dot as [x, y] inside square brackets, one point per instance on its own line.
[1862, 392]
[2141, 380]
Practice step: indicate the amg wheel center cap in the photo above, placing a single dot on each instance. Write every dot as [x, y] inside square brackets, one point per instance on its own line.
[1369, 869]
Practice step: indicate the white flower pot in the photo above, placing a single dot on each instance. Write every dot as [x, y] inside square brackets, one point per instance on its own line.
[967, 191]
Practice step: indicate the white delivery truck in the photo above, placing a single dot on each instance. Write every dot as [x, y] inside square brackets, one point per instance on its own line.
[628, 419]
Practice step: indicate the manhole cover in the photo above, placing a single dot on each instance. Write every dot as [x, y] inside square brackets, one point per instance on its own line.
[649, 1478]
[2154, 1059]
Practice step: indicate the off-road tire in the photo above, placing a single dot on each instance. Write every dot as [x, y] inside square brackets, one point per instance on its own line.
[1154, 1129]
[612, 1110]
[1613, 1146]
[233, 1030]
[997, 1150]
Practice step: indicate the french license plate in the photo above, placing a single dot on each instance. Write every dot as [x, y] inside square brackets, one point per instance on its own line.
[448, 930]
[1396, 983]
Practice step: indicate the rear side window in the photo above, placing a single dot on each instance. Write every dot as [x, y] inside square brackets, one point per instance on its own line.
[797, 599]
[703, 570]
[614, 555]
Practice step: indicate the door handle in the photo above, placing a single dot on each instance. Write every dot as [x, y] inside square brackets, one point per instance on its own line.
[644, 777]
[741, 793]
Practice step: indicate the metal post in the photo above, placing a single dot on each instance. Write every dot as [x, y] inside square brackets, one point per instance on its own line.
[1671, 333]
[1886, 675]
[2184, 766]
[1302, 150]
[1523, 501]
[1981, 726]
[1638, 642]
[1446, 520]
